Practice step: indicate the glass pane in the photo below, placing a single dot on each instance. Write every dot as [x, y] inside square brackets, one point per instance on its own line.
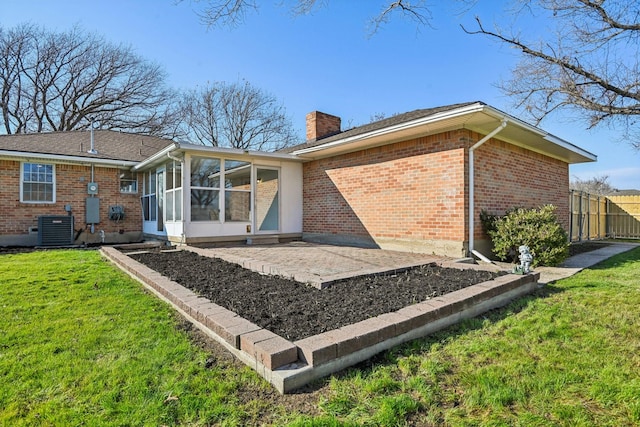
[37, 192]
[205, 205]
[237, 206]
[145, 208]
[169, 205]
[152, 207]
[237, 175]
[267, 205]
[178, 204]
[26, 192]
[26, 174]
[205, 172]
[128, 182]
[152, 184]
[170, 175]
[178, 174]
[49, 173]
[160, 185]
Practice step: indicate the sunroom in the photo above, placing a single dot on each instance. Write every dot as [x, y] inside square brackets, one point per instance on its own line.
[197, 195]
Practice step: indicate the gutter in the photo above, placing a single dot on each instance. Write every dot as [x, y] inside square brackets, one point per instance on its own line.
[472, 187]
[221, 151]
[159, 155]
[66, 159]
[237, 152]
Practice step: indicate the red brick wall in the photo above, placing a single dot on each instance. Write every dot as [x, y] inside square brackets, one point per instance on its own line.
[507, 176]
[321, 124]
[71, 188]
[417, 189]
[408, 190]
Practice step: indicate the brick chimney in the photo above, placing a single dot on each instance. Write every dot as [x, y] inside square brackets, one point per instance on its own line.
[320, 125]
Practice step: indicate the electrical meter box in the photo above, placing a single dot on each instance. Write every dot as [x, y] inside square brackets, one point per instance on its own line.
[92, 188]
[93, 210]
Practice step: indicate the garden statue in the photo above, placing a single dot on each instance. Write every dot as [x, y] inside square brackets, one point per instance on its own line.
[525, 260]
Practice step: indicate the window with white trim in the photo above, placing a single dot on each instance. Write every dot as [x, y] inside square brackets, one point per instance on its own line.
[173, 191]
[149, 199]
[237, 191]
[205, 189]
[38, 183]
[128, 181]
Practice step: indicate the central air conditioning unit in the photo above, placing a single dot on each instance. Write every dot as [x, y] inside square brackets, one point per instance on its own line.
[55, 230]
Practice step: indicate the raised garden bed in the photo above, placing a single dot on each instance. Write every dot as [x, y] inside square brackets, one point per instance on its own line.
[294, 310]
[291, 363]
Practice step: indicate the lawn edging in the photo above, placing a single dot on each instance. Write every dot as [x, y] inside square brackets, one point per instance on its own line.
[290, 365]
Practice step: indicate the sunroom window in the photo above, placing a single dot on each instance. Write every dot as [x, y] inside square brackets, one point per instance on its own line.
[205, 189]
[174, 191]
[149, 199]
[237, 191]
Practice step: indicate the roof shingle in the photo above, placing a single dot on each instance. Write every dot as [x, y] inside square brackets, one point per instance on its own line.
[111, 145]
[380, 124]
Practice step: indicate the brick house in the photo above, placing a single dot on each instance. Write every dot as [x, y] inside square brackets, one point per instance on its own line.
[130, 187]
[407, 182]
[58, 174]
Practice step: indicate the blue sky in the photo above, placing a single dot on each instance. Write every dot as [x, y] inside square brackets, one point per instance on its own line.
[327, 61]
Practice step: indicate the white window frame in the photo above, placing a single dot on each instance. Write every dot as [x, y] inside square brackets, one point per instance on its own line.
[53, 183]
[216, 188]
[133, 181]
[151, 208]
[173, 195]
[231, 190]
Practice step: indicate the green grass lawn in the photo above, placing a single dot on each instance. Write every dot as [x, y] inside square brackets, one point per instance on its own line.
[82, 344]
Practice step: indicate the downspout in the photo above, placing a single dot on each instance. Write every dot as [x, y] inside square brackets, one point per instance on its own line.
[471, 188]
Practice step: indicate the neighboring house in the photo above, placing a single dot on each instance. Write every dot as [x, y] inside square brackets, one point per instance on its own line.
[407, 182]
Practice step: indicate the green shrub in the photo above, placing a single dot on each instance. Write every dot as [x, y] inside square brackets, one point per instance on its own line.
[539, 229]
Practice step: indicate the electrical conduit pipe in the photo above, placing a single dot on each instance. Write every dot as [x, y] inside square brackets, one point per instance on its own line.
[471, 188]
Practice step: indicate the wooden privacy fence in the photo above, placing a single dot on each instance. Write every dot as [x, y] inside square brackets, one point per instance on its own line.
[596, 217]
[623, 217]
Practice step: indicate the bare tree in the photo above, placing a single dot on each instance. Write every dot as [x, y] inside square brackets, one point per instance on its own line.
[587, 63]
[236, 115]
[233, 12]
[584, 62]
[598, 185]
[53, 81]
[224, 12]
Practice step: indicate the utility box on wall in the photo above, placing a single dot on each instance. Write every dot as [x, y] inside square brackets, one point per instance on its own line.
[116, 213]
[92, 210]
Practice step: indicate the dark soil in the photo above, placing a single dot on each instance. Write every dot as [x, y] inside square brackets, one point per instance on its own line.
[294, 310]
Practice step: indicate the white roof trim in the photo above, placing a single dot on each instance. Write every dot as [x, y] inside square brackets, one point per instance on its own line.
[226, 152]
[544, 134]
[159, 155]
[66, 159]
[462, 111]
